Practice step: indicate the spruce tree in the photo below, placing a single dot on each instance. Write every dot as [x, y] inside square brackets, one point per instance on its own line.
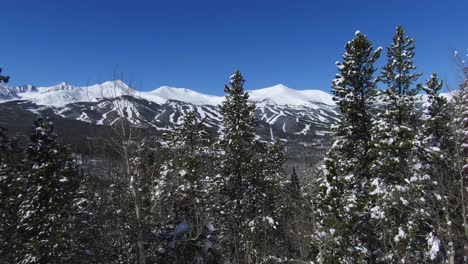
[237, 167]
[85, 228]
[49, 189]
[438, 159]
[10, 189]
[344, 183]
[460, 123]
[247, 184]
[399, 211]
[271, 194]
[188, 197]
[116, 221]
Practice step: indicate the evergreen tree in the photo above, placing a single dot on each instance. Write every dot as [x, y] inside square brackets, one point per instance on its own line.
[272, 194]
[131, 207]
[246, 184]
[398, 205]
[9, 192]
[188, 197]
[460, 123]
[439, 162]
[237, 167]
[85, 229]
[50, 187]
[343, 196]
[116, 222]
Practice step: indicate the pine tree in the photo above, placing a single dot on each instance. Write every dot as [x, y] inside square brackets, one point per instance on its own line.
[84, 228]
[399, 211]
[247, 184]
[116, 222]
[438, 158]
[50, 187]
[344, 183]
[237, 167]
[9, 192]
[272, 194]
[188, 197]
[460, 123]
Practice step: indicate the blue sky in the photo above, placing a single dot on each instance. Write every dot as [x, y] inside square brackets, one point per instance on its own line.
[198, 44]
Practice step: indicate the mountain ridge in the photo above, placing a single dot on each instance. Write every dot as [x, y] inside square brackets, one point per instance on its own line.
[63, 94]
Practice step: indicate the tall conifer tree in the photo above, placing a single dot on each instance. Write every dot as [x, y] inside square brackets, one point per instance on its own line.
[50, 185]
[460, 102]
[344, 184]
[248, 179]
[399, 214]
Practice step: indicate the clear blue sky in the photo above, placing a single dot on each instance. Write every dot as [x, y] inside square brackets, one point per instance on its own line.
[198, 44]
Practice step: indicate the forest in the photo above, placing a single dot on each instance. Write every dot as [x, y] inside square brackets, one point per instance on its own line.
[392, 188]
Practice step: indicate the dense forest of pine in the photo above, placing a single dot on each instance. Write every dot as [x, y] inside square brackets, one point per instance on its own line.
[392, 188]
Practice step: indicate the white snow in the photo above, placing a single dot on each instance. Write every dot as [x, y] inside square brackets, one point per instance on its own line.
[377, 213]
[401, 235]
[63, 94]
[434, 246]
[283, 95]
[165, 93]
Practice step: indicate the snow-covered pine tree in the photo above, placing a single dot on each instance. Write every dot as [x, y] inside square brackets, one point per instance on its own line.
[144, 172]
[271, 194]
[117, 225]
[398, 212]
[49, 189]
[460, 102]
[342, 201]
[188, 197]
[85, 229]
[237, 167]
[9, 192]
[438, 159]
[245, 188]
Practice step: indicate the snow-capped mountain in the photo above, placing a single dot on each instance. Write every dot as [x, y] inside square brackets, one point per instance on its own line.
[166, 93]
[283, 95]
[63, 94]
[282, 113]
[7, 93]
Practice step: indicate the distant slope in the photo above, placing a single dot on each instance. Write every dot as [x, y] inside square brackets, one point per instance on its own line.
[282, 113]
[63, 94]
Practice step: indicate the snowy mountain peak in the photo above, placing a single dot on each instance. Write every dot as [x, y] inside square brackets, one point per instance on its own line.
[116, 84]
[63, 86]
[7, 93]
[25, 88]
[280, 87]
[165, 93]
[283, 95]
[63, 94]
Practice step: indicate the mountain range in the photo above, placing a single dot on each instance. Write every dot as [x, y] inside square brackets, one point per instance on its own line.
[302, 116]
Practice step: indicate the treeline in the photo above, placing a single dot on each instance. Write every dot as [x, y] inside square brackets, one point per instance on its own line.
[191, 198]
[392, 189]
